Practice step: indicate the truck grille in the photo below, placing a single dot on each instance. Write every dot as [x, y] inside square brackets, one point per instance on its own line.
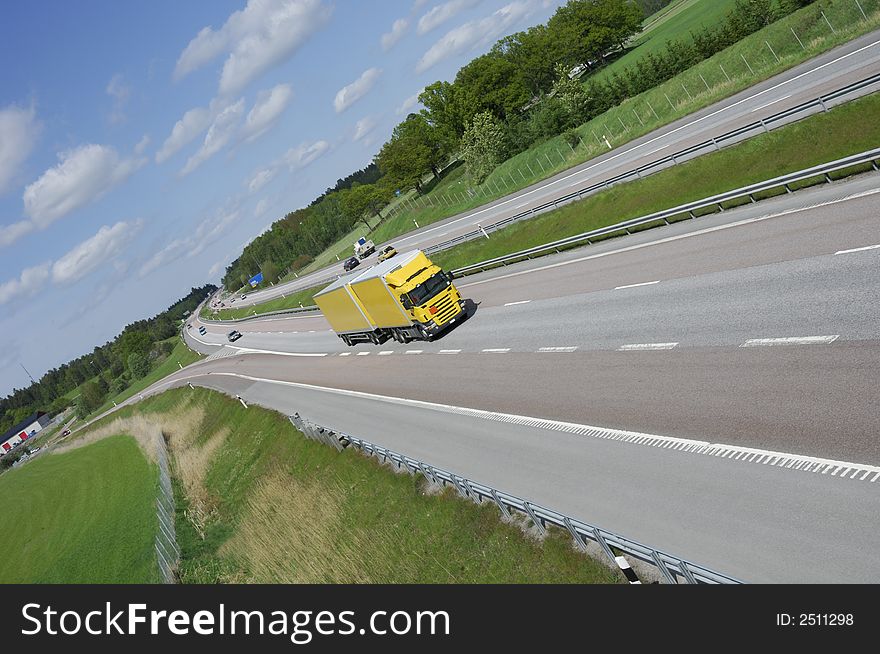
[446, 308]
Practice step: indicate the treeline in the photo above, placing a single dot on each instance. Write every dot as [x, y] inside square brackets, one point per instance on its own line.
[113, 366]
[529, 87]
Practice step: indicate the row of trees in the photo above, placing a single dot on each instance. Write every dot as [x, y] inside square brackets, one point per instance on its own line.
[519, 93]
[109, 367]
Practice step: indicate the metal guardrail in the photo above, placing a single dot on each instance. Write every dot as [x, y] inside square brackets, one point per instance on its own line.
[783, 181]
[714, 143]
[672, 568]
[167, 551]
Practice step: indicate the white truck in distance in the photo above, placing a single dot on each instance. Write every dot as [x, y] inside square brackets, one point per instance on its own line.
[363, 248]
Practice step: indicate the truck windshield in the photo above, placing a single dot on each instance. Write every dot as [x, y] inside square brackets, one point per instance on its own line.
[428, 288]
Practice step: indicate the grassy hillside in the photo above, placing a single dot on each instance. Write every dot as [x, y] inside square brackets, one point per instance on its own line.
[258, 502]
[86, 516]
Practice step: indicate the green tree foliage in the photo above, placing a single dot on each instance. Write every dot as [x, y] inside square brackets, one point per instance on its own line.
[138, 365]
[415, 149]
[482, 146]
[92, 395]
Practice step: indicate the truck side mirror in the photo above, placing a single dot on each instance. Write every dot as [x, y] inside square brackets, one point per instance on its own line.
[404, 300]
[450, 276]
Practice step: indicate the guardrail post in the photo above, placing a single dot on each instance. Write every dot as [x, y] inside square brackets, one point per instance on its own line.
[661, 566]
[686, 572]
[601, 540]
[582, 546]
[500, 504]
[822, 102]
[534, 518]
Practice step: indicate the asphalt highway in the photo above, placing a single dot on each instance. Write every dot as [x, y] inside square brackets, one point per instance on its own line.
[834, 69]
[752, 333]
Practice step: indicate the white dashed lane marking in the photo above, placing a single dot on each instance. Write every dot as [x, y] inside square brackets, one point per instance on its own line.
[510, 304]
[414, 351]
[498, 350]
[448, 351]
[385, 353]
[791, 340]
[867, 247]
[362, 354]
[656, 281]
[646, 346]
[558, 349]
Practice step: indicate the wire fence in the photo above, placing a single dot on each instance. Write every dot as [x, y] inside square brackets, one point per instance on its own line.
[167, 551]
[586, 537]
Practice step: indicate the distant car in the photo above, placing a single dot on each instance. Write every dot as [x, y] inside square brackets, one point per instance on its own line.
[232, 300]
[387, 252]
[233, 336]
[66, 432]
[351, 263]
[243, 296]
[202, 330]
[189, 325]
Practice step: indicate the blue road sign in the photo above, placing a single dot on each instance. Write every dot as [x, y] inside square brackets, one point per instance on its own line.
[256, 279]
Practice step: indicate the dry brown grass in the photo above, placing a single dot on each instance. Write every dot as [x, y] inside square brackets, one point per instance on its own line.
[145, 430]
[293, 532]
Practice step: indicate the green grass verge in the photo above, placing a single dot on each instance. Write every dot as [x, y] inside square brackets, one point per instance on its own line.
[675, 25]
[86, 516]
[305, 297]
[258, 502]
[725, 74]
[845, 130]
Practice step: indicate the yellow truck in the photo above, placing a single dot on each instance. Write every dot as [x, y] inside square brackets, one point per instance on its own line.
[405, 298]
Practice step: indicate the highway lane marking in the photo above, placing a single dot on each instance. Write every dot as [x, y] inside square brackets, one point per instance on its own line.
[656, 281]
[251, 350]
[385, 353]
[362, 354]
[646, 346]
[640, 145]
[345, 354]
[791, 340]
[511, 304]
[558, 349]
[867, 247]
[499, 350]
[413, 351]
[670, 239]
[791, 461]
[784, 97]
[448, 351]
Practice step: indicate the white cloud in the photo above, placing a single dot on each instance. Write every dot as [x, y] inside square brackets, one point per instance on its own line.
[350, 94]
[207, 232]
[142, 145]
[120, 93]
[410, 103]
[266, 111]
[217, 268]
[260, 178]
[304, 154]
[83, 175]
[194, 122]
[219, 134]
[91, 253]
[398, 29]
[439, 14]
[364, 126]
[257, 38]
[482, 31]
[261, 207]
[29, 283]
[9, 234]
[19, 130]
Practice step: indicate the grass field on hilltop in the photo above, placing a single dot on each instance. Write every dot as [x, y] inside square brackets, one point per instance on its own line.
[85, 516]
[257, 502]
[713, 79]
[847, 129]
[305, 297]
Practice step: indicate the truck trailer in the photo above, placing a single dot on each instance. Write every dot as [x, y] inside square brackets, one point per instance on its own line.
[405, 298]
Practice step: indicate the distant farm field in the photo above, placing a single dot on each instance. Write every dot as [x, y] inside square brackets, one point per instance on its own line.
[85, 516]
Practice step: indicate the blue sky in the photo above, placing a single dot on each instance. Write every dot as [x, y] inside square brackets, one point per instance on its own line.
[143, 144]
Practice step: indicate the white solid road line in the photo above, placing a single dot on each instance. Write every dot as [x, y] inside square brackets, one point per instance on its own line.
[799, 462]
[646, 346]
[499, 350]
[558, 349]
[252, 350]
[867, 247]
[656, 281]
[791, 340]
[670, 239]
[784, 97]
[510, 304]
